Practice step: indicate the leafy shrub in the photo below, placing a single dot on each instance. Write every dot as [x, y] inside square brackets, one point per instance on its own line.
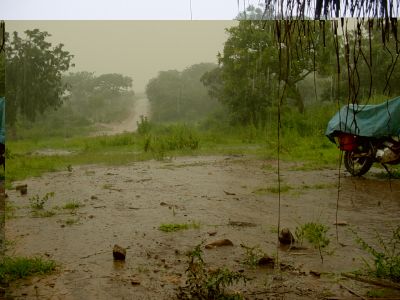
[204, 284]
[387, 259]
[315, 234]
[252, 255]
[143, 126]
[171, 138]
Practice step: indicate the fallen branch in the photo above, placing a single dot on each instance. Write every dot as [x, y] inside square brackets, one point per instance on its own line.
[383, 283]
[352, 291]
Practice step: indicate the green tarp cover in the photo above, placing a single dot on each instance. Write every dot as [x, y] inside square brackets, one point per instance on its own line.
[2, 121]
[367, 120]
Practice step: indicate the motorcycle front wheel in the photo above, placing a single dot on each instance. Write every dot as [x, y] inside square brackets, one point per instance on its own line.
[356, 164]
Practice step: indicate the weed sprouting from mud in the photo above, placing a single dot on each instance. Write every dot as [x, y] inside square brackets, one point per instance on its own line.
[387, 258]
[12, 268]
[43, 213]
[71, 221]
[315, 234]
[39, 202]
[203, 283]
[72, 205]
[252, 255]
[176, 227]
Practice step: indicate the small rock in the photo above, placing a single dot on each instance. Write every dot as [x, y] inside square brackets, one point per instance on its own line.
[24, 190]
[94, 197]
[266, 261]
[219, 243]
[315, 273]
[229, 193]
[99, 206]
[21, 186]
[212, 233]
[135, 282]
[119, 253]
[91, 217]
[286, 237]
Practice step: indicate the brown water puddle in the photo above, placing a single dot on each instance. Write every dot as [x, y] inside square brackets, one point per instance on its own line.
[125, 206]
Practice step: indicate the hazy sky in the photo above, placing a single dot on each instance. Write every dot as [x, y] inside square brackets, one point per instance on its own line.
[134, 48]
[123, 9]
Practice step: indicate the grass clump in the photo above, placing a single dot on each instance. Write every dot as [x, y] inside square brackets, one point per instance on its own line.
[12, 268]
[315, 234]
[386, 257]
[72, 205]
[202, 283]
[43, 213]
[10, 209]
[176, 227]
[273, 189]
[39, 202]
[71, 221]
[377, 293]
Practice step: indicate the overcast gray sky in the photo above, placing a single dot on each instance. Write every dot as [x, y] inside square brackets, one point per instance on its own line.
[123, 9]
[139, 49]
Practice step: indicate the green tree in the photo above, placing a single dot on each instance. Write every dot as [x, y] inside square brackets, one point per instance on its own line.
[105, 98]
[180, 96]
[256, 64]
[33, 71]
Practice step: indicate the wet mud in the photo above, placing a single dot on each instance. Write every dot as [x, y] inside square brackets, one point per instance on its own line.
[229, 197]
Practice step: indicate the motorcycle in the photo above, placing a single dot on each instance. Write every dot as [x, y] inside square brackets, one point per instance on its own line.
[361, 152]
[367, 134]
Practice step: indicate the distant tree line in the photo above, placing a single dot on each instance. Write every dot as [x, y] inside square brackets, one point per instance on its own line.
[103, 98]
[37, 84]
[180, 96]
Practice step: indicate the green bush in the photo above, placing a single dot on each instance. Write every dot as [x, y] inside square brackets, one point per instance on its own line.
[387, 258]
[315, 234]
[203, 284]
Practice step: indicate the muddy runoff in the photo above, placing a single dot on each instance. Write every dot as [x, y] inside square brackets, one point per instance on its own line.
[227, 196]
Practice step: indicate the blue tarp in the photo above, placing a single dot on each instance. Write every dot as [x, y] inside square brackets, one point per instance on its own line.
[2, 120]
[367, 120]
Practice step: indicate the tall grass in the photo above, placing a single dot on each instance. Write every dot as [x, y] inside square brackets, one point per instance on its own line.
[302, 139]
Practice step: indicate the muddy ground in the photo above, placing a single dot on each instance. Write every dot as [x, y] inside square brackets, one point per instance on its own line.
[126, 205]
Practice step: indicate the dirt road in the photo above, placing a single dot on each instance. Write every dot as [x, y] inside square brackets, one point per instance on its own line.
[141, 108]
[126, 205]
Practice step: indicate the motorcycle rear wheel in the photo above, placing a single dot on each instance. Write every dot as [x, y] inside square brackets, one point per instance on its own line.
[356, 165]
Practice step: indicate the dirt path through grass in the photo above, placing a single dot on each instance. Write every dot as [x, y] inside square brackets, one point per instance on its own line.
[141, 108]
[231, 197]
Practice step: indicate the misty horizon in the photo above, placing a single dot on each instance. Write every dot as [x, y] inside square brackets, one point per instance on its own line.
[138, 49]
